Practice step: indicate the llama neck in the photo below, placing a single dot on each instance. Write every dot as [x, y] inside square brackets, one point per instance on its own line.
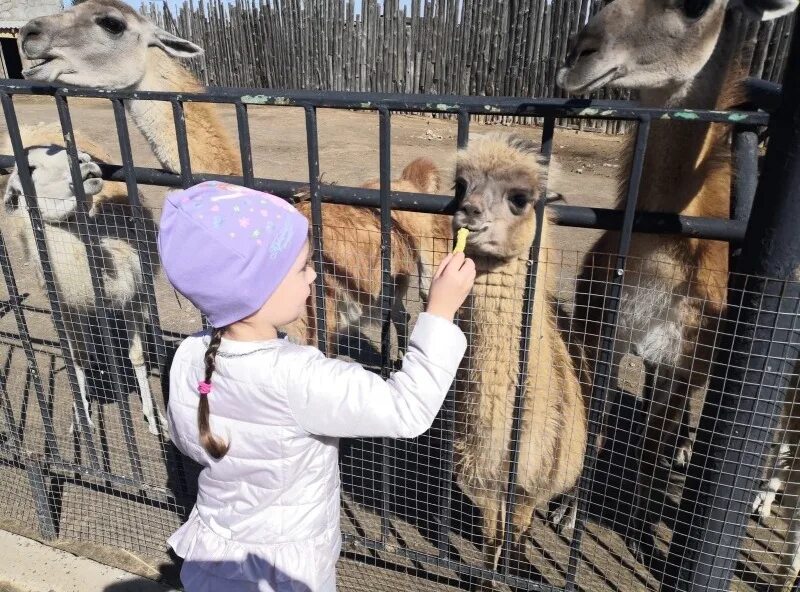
[487, 381]
[495, 314]
[687, 165]
[210, 147]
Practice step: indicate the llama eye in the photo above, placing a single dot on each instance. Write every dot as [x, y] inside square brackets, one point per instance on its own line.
[519, 200]
[460, 187]
[694, 9]
[112, 25]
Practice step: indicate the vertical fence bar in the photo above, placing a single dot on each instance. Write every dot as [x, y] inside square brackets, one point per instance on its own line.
[14, 430]
[524, 347]
[601, 376]
[37, 475]
[463, 129]
[35, 217]
[752, 368]
[142, 238]
[88, 235]
[744, 179]
[179, 117]
[387, 297]
[448, 417]
[245, 147]
[312, 141]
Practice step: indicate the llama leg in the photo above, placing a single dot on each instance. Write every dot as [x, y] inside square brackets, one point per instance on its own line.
[684, 445]
[81, 378]
[564, 513]
[136, 355]
[521, 521]
[493, 512]
[775, 477]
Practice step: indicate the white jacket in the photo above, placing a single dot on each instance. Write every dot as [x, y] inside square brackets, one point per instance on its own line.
[267, 514]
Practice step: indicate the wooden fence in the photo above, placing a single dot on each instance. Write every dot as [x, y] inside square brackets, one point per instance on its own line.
[466, 47]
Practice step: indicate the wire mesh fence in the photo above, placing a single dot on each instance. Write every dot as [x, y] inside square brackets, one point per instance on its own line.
[560, 456]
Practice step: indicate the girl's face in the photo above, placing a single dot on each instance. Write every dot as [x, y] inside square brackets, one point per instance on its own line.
[288, 301]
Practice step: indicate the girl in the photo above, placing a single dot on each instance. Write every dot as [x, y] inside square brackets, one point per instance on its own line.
[262, 415]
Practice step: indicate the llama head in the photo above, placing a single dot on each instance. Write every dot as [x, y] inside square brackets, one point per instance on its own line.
[497, 184]
[652, 44]
[50, 172]
[98, 43]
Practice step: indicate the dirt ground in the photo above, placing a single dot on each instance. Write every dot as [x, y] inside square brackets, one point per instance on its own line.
[585, 168]
[586, 164]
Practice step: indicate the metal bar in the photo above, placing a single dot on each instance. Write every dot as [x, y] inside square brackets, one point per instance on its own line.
[179, 117]
[524, 348]
[37, 225]
[5, 401]
[312, 141]
[99, 480]
[387, 299]
[563, 215]
[36, 478]
[245, 147]
[143, 240]
[744, 179]
[425, 103]
[649, 222]
[463, 129]
[89, 236]
[445, 489]
[762, 94]
[601, 377]
[749, 379]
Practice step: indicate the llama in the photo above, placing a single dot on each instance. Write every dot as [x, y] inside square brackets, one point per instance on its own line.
[674, 289]
[429, 234]
[106, 44]
[497, 184]
[352, 234]
[123, 280]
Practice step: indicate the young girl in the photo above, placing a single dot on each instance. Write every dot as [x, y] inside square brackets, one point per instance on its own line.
[262, 415]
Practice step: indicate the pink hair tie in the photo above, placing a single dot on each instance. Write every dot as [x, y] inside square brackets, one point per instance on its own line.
[204, 387]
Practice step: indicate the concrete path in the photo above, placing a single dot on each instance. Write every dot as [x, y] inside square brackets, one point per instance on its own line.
[29, 566]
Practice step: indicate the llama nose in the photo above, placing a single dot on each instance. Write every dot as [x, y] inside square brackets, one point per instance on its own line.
[30, 33]
[30, 30]
[471, 209]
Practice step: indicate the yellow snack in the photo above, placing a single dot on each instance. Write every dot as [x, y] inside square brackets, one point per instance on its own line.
[461, 240]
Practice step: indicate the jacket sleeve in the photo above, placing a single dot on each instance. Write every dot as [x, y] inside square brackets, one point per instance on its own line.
[177, 431]
[330, 397]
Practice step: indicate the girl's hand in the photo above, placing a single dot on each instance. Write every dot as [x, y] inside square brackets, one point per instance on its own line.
[450, 286]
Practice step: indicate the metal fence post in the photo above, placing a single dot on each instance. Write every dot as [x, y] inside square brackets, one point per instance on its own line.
[751, 371]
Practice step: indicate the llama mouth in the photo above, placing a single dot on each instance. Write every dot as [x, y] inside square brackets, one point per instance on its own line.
[36, 65]
[598, 82]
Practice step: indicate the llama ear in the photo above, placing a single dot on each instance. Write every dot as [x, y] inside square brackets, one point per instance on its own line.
[174, 45]
[766, 10]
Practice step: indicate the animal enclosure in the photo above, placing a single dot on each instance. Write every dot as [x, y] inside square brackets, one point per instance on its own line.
[85, 458]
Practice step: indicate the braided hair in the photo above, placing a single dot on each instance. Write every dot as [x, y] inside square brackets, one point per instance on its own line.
[216, 447]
